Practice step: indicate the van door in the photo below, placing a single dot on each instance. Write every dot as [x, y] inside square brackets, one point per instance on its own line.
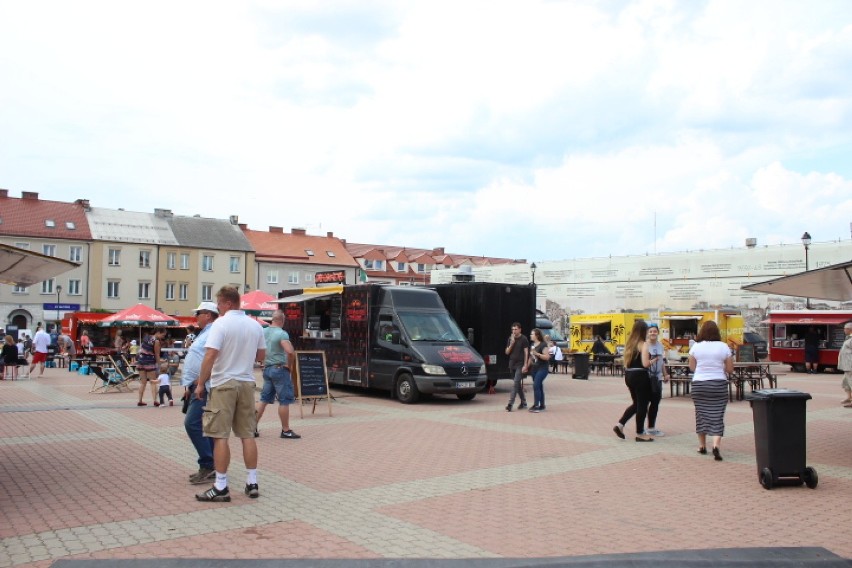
[386, 351]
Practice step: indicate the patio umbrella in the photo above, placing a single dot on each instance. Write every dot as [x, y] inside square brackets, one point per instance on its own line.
[139, 315]
[256, 303]
[828, 283]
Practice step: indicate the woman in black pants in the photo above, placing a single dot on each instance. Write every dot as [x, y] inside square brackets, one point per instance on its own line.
[636, 362]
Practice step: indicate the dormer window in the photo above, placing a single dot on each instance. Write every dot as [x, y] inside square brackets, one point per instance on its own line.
[309, 252]
[50, 223]
[330, 253]
[70, 225]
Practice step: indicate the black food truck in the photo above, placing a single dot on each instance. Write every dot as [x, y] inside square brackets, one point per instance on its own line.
[395, 338]
[485, 311]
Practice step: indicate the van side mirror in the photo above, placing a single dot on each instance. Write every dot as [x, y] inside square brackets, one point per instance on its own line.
[394, 337]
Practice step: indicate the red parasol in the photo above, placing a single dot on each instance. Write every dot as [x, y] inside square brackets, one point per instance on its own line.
[257, 303]
[138, 315]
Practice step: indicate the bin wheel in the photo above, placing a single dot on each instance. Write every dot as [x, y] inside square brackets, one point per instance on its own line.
[766, 478]
[810, 477]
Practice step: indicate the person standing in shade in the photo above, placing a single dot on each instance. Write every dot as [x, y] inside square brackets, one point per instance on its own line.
[278, 374]
[205, 314]
[657, 372]
[638, 382]
[812, 340]
[539, 368]
[234, 343]
[710, 361]
[518, 350]
[844, 363]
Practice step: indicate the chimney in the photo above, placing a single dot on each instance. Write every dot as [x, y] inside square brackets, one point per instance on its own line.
[438, 250]
[276, 229]
[329, 234]
[4, 193]
[296, 231]
[163, 213]
[751, 243]
[84, 203]
[343, 241]
[243, 226]
[29, 195]
[234, 219]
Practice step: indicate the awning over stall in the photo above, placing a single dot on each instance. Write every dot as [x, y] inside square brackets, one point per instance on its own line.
[828, 319]
[828, 283]
[24, 268]
[681, 318]
[310, 294]
[596, 322]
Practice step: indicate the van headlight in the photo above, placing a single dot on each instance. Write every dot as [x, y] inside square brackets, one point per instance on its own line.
[434, 370]
[482, 370]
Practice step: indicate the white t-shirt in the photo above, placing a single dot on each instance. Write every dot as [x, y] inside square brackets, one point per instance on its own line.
[710, 360]
[41, 341]
[238, 338]
[165, 380]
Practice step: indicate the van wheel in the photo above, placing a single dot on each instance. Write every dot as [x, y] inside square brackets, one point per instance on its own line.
[406, 389]
[467, 396]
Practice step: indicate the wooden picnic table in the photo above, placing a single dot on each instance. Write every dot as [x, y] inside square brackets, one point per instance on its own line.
[751, 374]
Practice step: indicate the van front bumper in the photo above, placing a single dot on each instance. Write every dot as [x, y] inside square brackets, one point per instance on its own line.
[430, 384]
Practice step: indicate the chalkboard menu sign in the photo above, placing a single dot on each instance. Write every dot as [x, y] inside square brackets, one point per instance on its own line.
[746, 354]
[836, 337]
[312, 378]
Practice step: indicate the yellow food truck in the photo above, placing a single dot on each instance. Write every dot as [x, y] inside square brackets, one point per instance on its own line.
[612, 328]
[678, 328]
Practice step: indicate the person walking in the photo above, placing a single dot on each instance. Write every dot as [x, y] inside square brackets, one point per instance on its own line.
[844, 363]
[710, 361]
[148, 364]
[41, 345]
[638, 381]
[278, 367]
[658, 374]
[518, 350]
[538, 367]
[235, 342]
[205, 314]
[165, 381]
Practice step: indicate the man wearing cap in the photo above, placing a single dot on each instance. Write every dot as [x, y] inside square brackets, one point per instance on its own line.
[277, 374]
[234, 343]
[205, 314]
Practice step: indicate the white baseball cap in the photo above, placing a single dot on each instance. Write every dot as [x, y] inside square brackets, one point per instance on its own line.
[206, 307]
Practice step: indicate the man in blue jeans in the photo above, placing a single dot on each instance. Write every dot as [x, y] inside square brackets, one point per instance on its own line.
[205, 314]
[277, 374]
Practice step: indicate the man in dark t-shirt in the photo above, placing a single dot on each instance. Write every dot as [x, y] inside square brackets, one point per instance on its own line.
[518, 350]
[812, 339]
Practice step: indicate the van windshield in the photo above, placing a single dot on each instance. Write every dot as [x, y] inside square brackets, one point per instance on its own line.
[430, 326]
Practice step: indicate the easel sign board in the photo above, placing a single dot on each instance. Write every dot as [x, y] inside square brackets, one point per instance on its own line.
[312, 378]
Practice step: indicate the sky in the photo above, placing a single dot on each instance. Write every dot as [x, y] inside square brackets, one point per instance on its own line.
[542, 130]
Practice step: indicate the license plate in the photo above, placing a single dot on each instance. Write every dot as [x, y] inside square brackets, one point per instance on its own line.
[465, 384]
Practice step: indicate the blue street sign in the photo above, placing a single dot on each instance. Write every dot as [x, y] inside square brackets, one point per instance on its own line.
[62, 307]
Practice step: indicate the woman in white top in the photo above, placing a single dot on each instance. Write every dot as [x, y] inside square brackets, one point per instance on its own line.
[710, 361]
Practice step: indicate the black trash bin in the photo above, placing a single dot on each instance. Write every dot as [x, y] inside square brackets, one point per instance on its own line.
[581, 366]
[779, 437]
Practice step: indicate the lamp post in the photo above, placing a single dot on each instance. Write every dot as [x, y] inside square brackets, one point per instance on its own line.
[58, 319]
[532, 270]
[806, 240]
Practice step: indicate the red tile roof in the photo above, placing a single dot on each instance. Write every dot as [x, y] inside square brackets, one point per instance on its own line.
[276, 245]
[28, 217]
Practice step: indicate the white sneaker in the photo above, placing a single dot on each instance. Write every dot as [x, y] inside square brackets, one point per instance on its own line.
[655, 432]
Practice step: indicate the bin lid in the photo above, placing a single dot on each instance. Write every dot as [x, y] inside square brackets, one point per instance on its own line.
[769, 394]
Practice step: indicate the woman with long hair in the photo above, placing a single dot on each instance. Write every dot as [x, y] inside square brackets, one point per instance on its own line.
[539, 357]
[148, 364]
[638, 381]
[657, 370]
[10, 358]
[710, 361]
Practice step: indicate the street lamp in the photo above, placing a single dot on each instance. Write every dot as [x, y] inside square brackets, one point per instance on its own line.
[58, 319]
[532, 269]
[806, 240]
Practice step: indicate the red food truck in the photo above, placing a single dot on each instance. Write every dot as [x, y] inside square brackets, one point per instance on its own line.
[787, 331]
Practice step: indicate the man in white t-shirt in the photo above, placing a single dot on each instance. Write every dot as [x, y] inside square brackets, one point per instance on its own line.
[41, 343]
[234, 343]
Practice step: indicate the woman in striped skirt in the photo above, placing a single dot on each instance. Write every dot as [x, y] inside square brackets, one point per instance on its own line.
[710, 360]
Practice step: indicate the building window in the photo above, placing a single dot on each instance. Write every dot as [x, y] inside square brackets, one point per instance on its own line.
[235, 264]
[20, 290]
[144, 259]
[48, 250]
[74, 288]
[421, 267]
[330, 253]
[47, 287]
[309, 252]
[171, 260]
[70, 225]
[25, 246]
[183, 291]
[170, 290]
[144, 290]
[309, 277]
[112, 288]
[373, 264]
[114, 257]
[75, 254]
[206, 292]
[207, 263]
[272, 277]
[184, 261]
[400, 267]
[50, 223]
[293, 278]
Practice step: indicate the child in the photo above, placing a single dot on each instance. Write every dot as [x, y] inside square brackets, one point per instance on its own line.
[165, 385]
